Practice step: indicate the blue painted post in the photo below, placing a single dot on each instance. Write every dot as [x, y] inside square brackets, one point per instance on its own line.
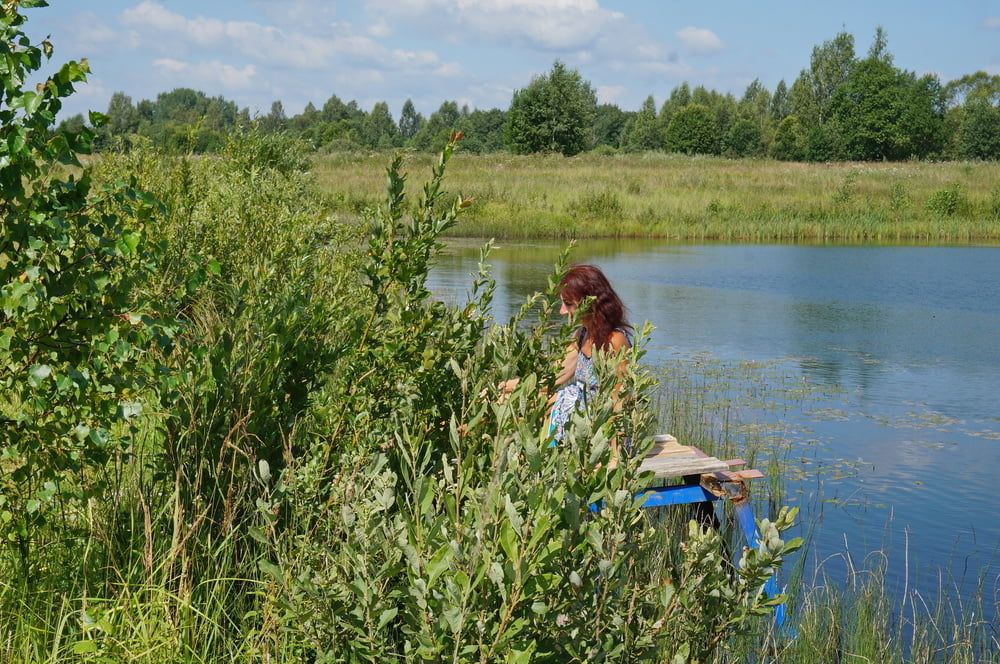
[686, 494]
[748, 524]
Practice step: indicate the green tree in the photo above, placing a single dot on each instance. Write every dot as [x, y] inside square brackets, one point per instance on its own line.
[693, 131]
[644, 132]
[679, 97]
[609, 125]
[380, 128]
[973, 86]
[868, 108]
[555, 112]
[743, 139]
[438, 128]
[829, 66]
[789, 140]
[334, 110]
[123, 118]
[979, 133]
[923, 120]
[72, 330]
[276, 120]
[780, 102]
[410, 121]
[802, 100]
[483, 130]
[881, 112]
[304, 121]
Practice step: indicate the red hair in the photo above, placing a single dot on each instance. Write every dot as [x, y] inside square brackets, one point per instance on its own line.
[606, 313]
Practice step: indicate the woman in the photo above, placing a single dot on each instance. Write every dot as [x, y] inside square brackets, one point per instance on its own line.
[603, 328]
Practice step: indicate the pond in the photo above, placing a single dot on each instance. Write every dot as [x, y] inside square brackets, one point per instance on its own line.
[897, 445]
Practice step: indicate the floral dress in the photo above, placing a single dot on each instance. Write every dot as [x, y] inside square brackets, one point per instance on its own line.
[572, 397]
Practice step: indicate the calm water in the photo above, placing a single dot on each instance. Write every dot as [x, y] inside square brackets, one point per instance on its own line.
[902, 344]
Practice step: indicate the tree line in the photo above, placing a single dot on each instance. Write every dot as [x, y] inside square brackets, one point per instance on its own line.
[841, 107]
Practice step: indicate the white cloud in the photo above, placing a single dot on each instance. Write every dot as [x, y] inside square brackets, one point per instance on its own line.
[212, 74]
[269, 45]
[609, 94]
[379, 29]
[448, 70]
[992, 22]
[700, 40]
[543, 24]
[92, 33]
[246, 37]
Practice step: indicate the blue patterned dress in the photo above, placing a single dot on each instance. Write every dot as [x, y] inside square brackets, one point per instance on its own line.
[572, 396]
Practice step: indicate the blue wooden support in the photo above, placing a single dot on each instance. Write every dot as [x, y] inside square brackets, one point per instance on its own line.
[679, 494]
[688, 494]
[748, 524]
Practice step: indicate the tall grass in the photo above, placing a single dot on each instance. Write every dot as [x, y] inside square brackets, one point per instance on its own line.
[703, 198]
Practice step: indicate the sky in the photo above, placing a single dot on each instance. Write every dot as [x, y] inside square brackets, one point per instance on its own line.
[478, 52]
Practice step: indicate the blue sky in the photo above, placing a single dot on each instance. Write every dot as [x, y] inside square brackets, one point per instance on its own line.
[479, 51]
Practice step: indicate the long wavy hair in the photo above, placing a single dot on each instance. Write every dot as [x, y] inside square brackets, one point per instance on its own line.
[605, 313]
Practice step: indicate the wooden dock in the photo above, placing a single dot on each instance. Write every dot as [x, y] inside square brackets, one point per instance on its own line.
[705, 479]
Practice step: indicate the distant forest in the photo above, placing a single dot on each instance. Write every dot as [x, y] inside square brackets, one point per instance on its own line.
[841, 107]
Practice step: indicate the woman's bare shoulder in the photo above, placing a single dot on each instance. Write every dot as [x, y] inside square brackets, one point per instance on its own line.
[618, 339]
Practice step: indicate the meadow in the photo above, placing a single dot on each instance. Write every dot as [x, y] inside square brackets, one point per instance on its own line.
[696, 198]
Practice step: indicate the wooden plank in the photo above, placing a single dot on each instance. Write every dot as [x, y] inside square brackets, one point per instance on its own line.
[738, 475]
[685, 455]
[683, 466]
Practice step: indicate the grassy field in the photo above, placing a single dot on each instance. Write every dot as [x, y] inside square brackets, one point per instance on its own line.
[697, 198]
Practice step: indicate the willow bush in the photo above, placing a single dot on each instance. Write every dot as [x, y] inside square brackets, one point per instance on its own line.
[421, 517]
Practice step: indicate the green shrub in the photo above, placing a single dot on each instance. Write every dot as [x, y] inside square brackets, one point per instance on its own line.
[845, 191]
[605, 150]
[460, 532]
[899, 199]
[600, 205]
[948, 201]
[993, 205]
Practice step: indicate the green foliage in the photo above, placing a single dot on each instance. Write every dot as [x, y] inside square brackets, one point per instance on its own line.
[410, 121]
[781, 106]
[692, 130]
[554, 113]
[644, 132]
[73, 331]
[948, 201]
[461, 533]
[483, 130]
[899, 199]
[883, 113]
[979, 132]
[743, 139]
[993, 207]
[379, 127]
[789, 140]
[609, 125]
[845, 192]
[598, 205]
[829, 67]
[438, 127]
